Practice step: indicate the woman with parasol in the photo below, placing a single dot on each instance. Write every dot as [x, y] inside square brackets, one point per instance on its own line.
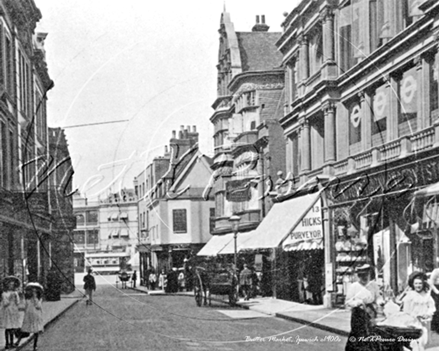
[9, 313]
[33, 313]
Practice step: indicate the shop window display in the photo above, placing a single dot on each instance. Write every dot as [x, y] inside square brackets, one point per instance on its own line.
[351, 252]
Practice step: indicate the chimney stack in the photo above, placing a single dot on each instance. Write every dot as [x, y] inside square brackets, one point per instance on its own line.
[260, 27]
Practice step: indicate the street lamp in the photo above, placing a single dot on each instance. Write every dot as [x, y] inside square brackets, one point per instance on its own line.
[234, 225]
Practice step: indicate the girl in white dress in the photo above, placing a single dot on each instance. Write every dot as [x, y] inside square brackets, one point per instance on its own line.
[419, 304]
[9, 314]
[33, 314]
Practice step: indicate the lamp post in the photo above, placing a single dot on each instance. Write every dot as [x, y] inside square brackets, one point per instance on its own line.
[234, 225]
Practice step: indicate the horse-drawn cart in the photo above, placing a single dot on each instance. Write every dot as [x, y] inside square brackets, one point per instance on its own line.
[214, 281]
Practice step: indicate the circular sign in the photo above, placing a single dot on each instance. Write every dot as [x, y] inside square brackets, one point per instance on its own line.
[355, 116]
[380, 102]
[409, 88]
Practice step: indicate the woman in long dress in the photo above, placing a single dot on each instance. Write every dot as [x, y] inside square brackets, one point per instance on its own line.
[9, 313]
[419, 304]
[362, 299]
[33, 314]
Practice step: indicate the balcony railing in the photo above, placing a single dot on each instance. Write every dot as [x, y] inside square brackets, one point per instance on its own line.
[340, 167]
[363, 160]
[423, 139]
[390, 150]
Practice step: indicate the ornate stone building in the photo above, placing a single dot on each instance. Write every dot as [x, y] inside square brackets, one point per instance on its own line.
[248, 140]
[25, 220]
[361, 110]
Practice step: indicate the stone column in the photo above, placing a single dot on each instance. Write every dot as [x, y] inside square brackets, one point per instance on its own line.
[327, 17]
[393, 100]
[304, 58]
[329, 133]
[305, 146]
[365, 103]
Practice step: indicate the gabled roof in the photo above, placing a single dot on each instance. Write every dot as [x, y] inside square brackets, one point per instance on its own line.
[258, 51]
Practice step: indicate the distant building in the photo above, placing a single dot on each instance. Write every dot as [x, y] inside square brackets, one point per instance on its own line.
[107, 225]
[175, 219]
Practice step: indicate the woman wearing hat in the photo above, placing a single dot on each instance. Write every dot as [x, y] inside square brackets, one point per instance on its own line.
[9, 313]
[418, 303]
[362, 299]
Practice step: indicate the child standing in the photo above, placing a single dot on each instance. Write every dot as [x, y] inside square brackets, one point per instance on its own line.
[33, 313]
[9, 314]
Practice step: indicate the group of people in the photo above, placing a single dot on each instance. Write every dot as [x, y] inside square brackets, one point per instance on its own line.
[419, 300]
[171, 282]
[11, 307]
[249, 282]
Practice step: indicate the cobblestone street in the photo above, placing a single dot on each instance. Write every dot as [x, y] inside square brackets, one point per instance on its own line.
[128, 320]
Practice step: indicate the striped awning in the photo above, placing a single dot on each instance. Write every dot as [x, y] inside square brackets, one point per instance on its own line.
[305, 245]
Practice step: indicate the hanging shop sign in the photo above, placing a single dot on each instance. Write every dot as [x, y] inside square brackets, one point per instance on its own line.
[238, 190]
[309, 229]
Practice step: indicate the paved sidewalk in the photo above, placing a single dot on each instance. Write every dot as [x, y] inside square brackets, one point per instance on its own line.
[52, 310]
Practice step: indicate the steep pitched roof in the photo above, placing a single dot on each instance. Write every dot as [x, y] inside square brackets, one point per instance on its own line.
[258, 51]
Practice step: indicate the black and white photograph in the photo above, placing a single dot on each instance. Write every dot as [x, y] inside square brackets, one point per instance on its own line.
[219, 175]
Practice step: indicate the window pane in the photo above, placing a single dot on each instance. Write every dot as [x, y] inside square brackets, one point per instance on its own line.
[80, 220]
[408, 102]
[179, 221]
[79, 237]
[92, 217]
[211, 219]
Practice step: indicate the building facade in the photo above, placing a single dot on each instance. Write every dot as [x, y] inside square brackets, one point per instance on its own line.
[105, 226]
[248, 141]
[175, 216]
[61, 206]
[25, 168]
[361, 111]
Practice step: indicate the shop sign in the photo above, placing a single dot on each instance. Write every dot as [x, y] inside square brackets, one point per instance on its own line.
[398, 179]
[310, 227]
[238, 190]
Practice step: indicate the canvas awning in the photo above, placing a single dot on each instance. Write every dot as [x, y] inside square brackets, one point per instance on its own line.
[306, 245]
[430, 190]
[241, 239]
[215, 245]
[279, 222]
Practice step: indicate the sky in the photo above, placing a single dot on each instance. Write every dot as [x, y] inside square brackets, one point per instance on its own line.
[151, 65]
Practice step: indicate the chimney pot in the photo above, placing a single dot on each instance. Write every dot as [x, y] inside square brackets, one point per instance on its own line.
[182, 127]
[174, 134]
[258, 19]
[166, 149]
[263, 19]
[188, 129]
[194, 129]
[180, 134]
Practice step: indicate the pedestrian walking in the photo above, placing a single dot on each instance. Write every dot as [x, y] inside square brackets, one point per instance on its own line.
[246, 281]
[33, 313]
[89, 286]
[152, 280]
[418, 303]
[181, 281]
[162, 280]
[434, 280]
[362, 299]
[9, 309]
[133, 279]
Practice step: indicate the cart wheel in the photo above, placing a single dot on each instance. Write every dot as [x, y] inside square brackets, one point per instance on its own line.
[198, 296]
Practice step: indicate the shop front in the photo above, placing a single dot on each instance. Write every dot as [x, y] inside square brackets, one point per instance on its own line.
[290, 243]
[380, 217]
